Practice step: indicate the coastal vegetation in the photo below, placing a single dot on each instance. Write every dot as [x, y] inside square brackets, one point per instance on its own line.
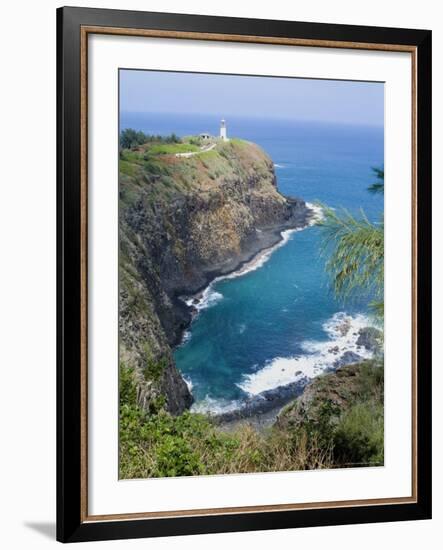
[131, 138]
[339, 423]
[355, 247]
[184, 221]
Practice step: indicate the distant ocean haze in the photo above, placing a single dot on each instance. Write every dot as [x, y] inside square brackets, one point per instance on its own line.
[258, 330]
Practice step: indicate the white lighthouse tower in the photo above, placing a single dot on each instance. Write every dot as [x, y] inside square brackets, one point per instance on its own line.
[223, 134]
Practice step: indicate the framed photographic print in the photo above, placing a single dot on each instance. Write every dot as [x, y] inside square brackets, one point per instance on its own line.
[244, 270]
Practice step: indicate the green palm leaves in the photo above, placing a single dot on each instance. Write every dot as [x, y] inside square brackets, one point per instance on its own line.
[356, 251]
[379, 185]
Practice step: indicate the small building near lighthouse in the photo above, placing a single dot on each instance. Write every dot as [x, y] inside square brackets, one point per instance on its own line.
[223, 133]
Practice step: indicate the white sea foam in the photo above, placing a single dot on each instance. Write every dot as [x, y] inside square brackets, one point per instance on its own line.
[342, 330]
[215, 406]
[279, 165]
[261, 258]
[210, 297]
[187, 335]
[318, 213]
[188, 382]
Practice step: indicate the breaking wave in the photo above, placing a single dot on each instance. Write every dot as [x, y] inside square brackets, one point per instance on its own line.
[210, 297]
[318, 213]
[188, 382]
[211, 405]
[342, 331]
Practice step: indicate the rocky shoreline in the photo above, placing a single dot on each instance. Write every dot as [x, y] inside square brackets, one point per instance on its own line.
[262, 409]
[183, 223]
[267, 240]
[270, 402]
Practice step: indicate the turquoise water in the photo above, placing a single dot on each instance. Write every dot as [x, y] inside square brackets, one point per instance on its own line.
[262, 329]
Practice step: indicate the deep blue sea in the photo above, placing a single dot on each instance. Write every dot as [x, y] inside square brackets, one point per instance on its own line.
[279, 320]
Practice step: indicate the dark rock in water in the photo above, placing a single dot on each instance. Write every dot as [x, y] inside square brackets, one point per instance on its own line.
[344, 326]
[172, 385]
[265, 401]
[347, 358]
[371, 339]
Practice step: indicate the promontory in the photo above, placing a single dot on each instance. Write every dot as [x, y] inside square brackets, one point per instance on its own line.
[189, 212]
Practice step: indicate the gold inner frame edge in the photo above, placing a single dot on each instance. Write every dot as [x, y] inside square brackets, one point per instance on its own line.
[185, 35]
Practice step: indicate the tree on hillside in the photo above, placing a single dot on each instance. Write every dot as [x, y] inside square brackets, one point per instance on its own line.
[173, 138]
[356, 248]
[131, 138]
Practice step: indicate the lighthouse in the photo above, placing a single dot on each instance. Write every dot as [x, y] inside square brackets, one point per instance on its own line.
[223, 134]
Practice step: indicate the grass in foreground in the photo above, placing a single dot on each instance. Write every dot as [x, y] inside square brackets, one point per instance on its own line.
[156, 444]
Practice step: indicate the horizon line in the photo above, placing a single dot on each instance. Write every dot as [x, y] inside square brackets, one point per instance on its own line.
[279, 118]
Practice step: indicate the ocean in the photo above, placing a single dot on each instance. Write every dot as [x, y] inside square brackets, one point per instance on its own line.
[278, 320]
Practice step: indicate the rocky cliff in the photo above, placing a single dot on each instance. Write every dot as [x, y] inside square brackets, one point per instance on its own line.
[183, 221]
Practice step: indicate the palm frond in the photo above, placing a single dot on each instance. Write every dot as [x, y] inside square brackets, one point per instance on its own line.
[378, 309]
[379, 185]
[356, 253]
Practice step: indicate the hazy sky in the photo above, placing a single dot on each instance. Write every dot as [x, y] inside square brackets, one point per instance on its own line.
[226, 96]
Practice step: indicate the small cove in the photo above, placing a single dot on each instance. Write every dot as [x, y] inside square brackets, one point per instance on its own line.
[260, 328]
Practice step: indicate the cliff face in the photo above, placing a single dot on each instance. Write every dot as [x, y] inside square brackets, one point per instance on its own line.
[182, 222]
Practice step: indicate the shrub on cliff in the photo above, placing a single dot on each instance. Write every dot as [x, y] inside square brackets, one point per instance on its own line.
[358, 438]
[344, 412]
[161, 445]
[127, 387]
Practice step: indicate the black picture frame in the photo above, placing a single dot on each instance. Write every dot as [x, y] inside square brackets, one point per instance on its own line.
[71, 524]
